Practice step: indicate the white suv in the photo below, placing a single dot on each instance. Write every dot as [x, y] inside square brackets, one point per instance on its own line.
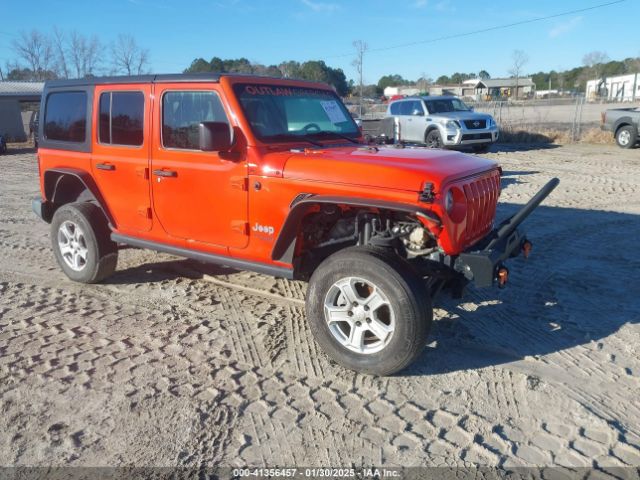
[440, 122]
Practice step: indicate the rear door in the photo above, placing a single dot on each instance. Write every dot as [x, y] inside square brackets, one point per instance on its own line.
[398, 110]
[415, 121]
[197, 196]
[120, 158]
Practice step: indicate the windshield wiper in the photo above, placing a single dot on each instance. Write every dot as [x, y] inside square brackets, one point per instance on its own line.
[295, 138]
[340, 135]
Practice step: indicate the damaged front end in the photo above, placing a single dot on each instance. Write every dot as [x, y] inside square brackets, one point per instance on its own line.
[483, 263]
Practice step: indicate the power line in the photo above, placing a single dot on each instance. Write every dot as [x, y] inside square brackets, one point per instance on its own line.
[484, 30]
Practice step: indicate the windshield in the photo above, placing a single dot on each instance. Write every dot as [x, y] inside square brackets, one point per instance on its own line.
[446, 105]
[278, 112]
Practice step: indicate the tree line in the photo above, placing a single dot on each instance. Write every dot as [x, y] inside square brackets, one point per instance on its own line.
[595, 65]
[59, 54]
[313, 70]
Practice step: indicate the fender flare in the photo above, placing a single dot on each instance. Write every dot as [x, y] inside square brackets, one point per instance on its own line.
[53, 178]
[431, 127]
[622, 122]
[284, 246]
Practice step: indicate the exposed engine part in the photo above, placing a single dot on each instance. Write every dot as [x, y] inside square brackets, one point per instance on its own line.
[333, 226]
[419, 242]
[419, 237]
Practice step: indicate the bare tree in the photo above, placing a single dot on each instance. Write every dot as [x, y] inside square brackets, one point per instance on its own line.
[128, 57]
[84, 54]
[361, 48]
[36, 50]
[59, 47]
[519, 59]
[594, 60]
[423, 82]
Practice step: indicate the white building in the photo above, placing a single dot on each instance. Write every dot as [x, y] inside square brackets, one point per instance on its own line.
[407, 91]
[622, 88]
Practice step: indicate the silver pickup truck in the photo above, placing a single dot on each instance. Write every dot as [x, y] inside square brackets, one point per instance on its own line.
[624, 123]
[440, 122]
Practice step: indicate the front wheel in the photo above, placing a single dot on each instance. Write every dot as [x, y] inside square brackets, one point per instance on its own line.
[433, 139]
[81, 242]
[369, 310]
[626, 137]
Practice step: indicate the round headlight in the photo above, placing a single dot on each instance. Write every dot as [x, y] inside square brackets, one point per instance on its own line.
[448, 201]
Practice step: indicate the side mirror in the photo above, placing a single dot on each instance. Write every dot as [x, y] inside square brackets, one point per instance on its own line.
[215, 136]
[417, 113]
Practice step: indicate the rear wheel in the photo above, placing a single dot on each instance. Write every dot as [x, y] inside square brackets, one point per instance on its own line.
[433, 139]
[369, 310]
[81, 243]
[626, 137]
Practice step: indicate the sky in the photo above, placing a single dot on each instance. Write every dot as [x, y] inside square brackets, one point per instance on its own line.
[272, 31]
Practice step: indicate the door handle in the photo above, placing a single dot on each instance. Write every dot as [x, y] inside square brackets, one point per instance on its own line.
[165, 173]
[105, 166]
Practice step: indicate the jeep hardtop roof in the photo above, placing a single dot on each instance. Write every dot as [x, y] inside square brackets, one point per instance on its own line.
[210, 77]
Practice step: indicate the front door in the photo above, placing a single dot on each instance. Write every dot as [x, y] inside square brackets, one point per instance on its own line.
[197, 196]
[120, 157]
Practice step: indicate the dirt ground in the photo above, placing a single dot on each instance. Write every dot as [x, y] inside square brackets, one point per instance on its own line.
[164, 366]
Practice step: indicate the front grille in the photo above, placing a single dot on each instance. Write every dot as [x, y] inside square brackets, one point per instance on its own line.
[482, 197]
[475, 124]
[476, 136]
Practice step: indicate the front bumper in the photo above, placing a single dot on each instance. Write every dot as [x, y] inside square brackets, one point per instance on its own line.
[482, 262]
[481, 266]
[470, 137]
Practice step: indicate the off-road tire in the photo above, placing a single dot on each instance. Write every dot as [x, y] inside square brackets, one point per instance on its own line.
[407, 296]
[626, 137]
[101, 252]
[433, 139]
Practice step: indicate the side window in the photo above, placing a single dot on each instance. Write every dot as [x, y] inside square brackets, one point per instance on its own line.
[182, 113]
[417, 107]
[395, 108]
[66, 117]
[121, 118]
[405, 107]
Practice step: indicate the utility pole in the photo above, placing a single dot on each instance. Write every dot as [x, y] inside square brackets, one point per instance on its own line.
[361, 47]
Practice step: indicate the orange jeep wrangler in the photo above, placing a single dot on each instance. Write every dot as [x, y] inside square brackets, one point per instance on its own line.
[271, 175]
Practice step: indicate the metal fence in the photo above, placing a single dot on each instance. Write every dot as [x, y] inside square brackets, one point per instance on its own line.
[571, 117]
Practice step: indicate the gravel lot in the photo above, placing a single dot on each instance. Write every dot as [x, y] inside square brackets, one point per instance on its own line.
[164, 365]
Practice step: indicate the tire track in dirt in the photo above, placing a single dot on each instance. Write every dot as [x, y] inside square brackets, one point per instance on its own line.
[165, 368]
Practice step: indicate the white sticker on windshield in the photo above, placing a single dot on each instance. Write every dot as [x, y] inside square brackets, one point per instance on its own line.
[333, 111]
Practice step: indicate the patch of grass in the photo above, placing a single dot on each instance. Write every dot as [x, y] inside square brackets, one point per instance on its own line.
[553, 135]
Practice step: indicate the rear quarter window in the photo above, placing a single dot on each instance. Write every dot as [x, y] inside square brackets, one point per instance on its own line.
[66, 117]
[121, 118]
[395, 108]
